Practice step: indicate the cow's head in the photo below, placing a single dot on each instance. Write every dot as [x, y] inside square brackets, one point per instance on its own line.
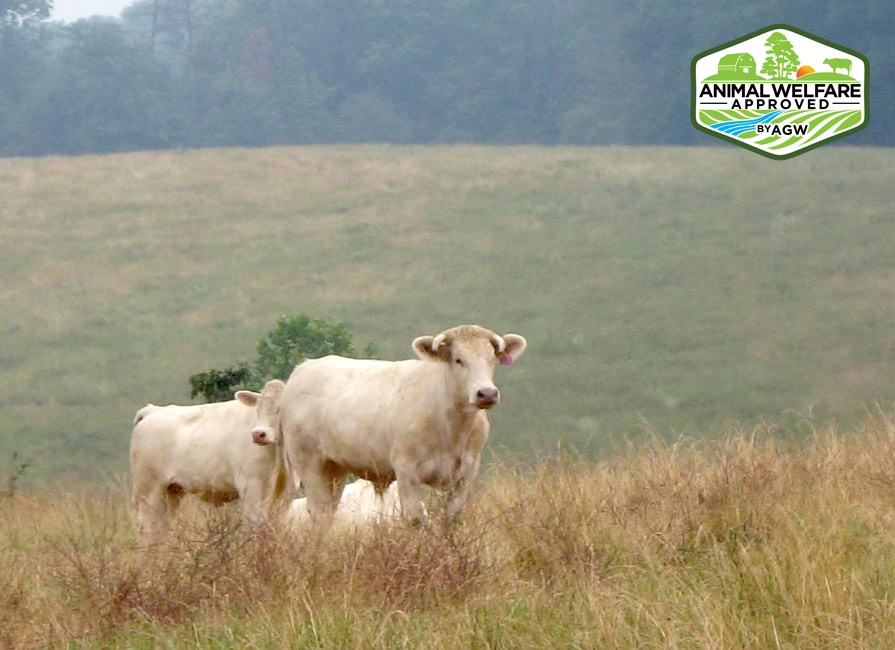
[267, 409]
[471, 352]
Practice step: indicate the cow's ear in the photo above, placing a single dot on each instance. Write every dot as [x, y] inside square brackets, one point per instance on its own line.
[274, 388]
[247, 397]
[431, 347]
[515, 346]
[422, 345]
[275, 384]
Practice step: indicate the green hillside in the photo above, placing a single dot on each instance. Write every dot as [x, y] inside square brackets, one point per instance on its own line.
[659, 288]
[825, 76]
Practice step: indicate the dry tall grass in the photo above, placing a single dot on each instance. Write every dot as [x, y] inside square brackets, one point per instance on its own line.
[747, 542]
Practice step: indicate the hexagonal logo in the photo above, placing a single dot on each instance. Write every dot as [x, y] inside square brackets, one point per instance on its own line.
[779, 91]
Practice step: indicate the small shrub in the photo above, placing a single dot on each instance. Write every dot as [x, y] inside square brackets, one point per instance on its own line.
[291, 341]
[219, 385]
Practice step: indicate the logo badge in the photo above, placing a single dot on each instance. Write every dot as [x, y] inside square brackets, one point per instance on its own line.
[779, 92]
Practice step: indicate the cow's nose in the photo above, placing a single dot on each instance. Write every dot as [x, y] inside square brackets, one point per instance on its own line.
[259, 437]
[487, 397]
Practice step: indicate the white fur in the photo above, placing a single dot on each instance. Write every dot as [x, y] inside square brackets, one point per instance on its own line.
[204, 449]
[359, 506]
[419, 422]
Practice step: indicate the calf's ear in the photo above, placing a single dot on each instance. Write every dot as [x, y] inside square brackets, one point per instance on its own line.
[247, 397]
[274, 388]
[515, 346]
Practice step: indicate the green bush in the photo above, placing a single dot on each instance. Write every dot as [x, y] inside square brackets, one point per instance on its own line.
[291, 341]
[219, 385]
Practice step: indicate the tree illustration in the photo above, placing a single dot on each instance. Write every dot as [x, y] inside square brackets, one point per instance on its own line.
[782, 60]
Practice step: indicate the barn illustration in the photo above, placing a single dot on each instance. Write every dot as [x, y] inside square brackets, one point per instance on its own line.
[741, 63]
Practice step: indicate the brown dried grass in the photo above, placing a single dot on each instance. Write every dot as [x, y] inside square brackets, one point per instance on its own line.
[750, 541]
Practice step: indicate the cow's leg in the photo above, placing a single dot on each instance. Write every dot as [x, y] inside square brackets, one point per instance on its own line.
[460, 492]
[323, 482]
[252, 496]
[173, 496]
[411, 495]
[151, 510]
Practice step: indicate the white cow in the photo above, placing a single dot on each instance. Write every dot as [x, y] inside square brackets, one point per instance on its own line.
[207, 450]
[420, 422]
[360, 506]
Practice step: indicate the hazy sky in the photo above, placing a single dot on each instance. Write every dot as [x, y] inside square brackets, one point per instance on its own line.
[69, 10]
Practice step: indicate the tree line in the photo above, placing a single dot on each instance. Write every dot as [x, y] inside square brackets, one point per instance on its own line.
[201, 73]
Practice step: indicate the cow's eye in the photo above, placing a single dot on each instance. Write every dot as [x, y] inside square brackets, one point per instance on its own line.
[459, 361]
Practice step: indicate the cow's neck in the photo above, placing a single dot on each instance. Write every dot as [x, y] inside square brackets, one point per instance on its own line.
[459, 415]
[461, 419]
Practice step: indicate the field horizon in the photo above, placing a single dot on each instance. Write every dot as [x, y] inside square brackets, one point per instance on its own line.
[664, 291]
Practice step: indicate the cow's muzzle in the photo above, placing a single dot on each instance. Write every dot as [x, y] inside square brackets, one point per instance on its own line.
[485, 398]
[261, 437]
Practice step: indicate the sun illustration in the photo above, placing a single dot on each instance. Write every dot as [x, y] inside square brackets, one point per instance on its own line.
[805, 69]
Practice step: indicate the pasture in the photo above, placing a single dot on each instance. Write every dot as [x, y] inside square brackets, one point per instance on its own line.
[662, 290]
[749, 541]
[697, 449]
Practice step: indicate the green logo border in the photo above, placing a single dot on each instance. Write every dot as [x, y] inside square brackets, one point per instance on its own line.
[758, 32]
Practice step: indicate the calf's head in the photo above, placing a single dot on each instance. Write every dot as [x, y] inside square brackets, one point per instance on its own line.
[267, 410]
[471, 352]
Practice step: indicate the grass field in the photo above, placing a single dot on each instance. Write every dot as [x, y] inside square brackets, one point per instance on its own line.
[751, 541]
[666, 290]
